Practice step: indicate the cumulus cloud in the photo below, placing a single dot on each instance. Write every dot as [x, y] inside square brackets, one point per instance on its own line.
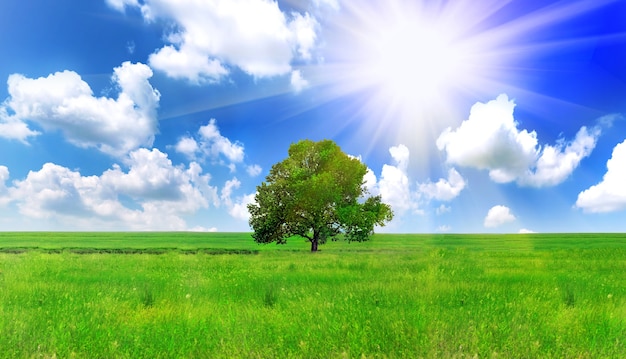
[187, 146]
[56, 190]
[239, 209]
[187, 64]
[298, 83]
[254, 170]
[13, 128]
[511, 154]
[497, 216]
[211, 36]
[396, 189]
[444, 228]
[4, 176]
[152, 177]
[393, 186]
[370, 182]
[63, 101]
[556, 163]
[444, 189]
[214, 144]
[153, 194]
[303, 28]
[228, 189]
[610, 194]
[209, 143]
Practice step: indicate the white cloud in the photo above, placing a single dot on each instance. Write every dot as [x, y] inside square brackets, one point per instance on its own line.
[556, 163]
[610, 194]
[239, 209]
[56, 190]
[228, 189]
[303, 28]
[526, 231]
[442, 209]
[396, 190]
[394, 187]
[120, 4]
[211, 36]
[497, 216]
[216, 144]
[4, 176]
[502, 148]
[511, 154]
[152, 177]
[444, 228]
[63, 101]
[210, 143]
[444, 190]
[298, 83]
[400, 155]
[14, 129]
[203, 229]
[187, 146]
[191, 65]
[152, 195]
[254, 170]
[370, 182]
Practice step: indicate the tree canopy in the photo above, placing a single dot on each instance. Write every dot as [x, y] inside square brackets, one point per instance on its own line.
[317, 193]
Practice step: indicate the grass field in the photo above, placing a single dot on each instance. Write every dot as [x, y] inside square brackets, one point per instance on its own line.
[217, 295]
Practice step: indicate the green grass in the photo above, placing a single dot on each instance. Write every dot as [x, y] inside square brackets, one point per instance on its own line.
[443, 296]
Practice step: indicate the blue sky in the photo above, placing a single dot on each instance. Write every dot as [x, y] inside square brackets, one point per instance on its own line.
[496, 116]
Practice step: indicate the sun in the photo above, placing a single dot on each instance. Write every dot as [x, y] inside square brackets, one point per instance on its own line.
[410, 60]
[407, 62]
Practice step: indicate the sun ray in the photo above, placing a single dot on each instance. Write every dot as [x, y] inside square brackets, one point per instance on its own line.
[419, 65]
[409, 69]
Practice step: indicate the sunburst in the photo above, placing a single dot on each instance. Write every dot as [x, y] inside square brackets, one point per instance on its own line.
[417, 66]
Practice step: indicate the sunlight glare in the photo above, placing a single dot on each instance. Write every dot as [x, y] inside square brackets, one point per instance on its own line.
[412, 68]
[410, 61]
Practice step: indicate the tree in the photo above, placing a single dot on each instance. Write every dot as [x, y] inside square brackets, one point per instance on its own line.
[317, 193]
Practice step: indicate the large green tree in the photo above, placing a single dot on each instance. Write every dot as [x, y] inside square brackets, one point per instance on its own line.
[317, 193]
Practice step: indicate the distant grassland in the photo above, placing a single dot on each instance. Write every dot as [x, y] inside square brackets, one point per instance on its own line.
[220, 295]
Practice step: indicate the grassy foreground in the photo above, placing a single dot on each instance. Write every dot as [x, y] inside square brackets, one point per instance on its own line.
[220, 295]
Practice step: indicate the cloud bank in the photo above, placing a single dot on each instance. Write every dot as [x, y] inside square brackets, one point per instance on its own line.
[152, 195]
[145, 191]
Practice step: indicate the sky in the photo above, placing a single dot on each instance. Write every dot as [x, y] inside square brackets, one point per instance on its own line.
[164, 115]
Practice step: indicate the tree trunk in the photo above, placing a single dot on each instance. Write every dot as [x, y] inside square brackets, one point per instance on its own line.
[314, 241]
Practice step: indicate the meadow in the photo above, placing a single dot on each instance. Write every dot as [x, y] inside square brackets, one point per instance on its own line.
[220, 295]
